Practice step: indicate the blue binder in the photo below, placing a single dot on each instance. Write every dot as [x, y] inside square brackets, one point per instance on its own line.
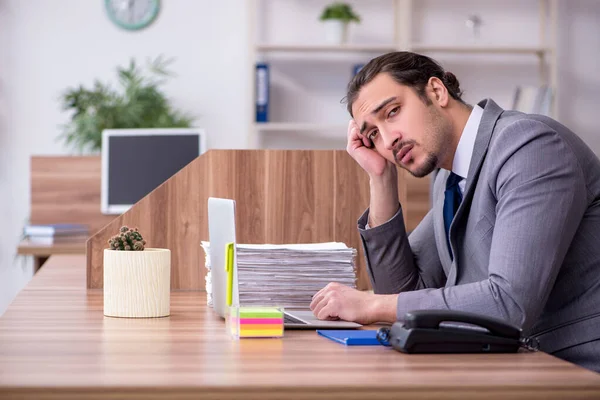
[262, 92]
[356, 68]
[351, 337]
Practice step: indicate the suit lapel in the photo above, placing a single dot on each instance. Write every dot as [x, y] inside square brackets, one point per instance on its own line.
[491, 113]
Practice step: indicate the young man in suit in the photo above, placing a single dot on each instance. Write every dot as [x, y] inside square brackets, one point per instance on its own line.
[514, 231]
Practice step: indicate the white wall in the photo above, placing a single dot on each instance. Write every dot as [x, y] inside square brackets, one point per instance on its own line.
[48, 45]
[579, 57]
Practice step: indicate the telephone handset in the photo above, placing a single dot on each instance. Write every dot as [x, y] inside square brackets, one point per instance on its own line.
[440, 331]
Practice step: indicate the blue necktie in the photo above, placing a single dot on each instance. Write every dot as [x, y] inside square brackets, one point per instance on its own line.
[452, 199]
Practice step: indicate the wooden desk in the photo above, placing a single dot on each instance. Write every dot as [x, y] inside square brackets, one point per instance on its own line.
[41, 252]
[56, 344]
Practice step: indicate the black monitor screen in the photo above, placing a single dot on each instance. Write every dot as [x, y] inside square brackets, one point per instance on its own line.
[138, 164]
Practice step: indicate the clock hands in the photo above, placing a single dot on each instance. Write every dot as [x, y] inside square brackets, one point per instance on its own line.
[132, 14]
[130, 9]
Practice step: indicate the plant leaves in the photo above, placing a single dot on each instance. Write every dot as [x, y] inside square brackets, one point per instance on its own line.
[140, 103]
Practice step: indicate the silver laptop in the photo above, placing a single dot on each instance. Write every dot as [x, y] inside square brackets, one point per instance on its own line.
[221, 230]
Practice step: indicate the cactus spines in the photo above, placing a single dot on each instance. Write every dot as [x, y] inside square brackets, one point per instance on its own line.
[127, 239]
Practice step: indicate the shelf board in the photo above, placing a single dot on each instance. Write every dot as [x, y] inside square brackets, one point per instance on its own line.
[308, 48]
[298, 127]
[418, 47]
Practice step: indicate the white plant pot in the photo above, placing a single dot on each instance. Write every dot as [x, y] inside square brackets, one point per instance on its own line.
[137, 284]
[336, 32]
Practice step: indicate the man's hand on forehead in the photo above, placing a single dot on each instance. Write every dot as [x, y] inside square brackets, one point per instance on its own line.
[368, 143]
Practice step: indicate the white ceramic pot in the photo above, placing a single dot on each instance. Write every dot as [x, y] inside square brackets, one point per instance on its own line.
[137, 284]
[336, 31]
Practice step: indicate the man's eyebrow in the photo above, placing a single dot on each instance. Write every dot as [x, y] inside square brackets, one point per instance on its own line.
[383, 104]
[363, 128]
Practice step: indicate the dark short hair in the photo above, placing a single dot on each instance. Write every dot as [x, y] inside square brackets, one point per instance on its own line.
[410, 69]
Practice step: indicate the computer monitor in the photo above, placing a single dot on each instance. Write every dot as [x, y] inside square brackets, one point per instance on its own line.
[136, 161]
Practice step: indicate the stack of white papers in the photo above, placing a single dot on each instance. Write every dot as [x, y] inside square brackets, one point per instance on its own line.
[288, 275]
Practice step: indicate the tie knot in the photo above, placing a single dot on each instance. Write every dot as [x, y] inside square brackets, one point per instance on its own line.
[453, 180]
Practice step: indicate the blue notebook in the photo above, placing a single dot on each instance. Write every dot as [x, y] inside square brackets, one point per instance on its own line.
[351, 337]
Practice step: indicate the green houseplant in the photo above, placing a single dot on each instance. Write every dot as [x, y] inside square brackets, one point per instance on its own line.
[140, 103]
[336, 17]
[137, 279]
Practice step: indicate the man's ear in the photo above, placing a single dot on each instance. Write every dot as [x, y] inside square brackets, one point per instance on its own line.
[439, 93]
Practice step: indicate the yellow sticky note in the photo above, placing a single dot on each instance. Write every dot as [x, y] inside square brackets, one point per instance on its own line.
[229, 254]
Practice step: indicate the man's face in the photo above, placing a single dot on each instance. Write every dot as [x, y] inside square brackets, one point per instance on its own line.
[403, 129]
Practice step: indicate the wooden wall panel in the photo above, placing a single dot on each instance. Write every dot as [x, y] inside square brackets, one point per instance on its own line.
[184, 214]
[66, 189]
[416, 200]
[168, 217]
[322, 174]
[299, 196]
[282, 196]
[239, 175]
[250, 195]
[351, 199]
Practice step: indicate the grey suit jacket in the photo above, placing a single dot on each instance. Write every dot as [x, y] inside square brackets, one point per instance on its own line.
[526, 236]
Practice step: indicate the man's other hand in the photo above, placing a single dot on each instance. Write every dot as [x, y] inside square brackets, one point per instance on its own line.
[337, 301]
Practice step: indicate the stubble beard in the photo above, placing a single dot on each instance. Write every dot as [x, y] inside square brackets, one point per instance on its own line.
[438, 133]
[430, 163]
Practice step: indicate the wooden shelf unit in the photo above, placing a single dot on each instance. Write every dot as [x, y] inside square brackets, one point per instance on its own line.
[402, 10]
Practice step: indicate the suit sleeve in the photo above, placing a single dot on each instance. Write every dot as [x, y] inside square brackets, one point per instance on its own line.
[541, 198]
[397, 262]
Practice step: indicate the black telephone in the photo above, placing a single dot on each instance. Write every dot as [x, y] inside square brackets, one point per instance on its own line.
[436, 331]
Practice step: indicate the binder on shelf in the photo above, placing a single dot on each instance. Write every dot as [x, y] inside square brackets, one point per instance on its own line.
[356, 68]
[51, 230]
[533, 99]
[262, 92]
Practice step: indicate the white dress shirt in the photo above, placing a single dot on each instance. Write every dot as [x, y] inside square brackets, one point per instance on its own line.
[464, 150]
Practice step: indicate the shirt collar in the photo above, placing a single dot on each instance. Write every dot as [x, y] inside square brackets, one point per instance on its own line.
[464, 150]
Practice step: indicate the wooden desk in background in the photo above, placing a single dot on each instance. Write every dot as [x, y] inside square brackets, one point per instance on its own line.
[64, 189]
[41, 252]
[55, 343]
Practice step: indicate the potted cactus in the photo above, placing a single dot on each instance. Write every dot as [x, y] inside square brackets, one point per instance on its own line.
[137, 280]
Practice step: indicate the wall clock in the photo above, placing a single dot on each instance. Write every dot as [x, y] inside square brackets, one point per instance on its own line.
[132, 14]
